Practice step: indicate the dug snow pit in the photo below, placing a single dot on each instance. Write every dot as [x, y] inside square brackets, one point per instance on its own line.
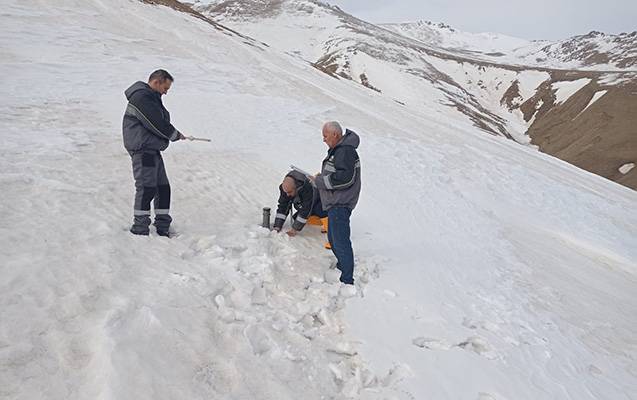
[255, 265]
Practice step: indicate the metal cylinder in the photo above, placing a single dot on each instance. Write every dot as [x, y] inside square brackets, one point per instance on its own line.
[266, 217]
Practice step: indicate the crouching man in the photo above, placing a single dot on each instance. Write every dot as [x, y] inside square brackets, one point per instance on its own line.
[298, 192]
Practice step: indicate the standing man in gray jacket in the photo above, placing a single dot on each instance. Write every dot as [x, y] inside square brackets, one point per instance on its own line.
[339, 185]
[147, 132]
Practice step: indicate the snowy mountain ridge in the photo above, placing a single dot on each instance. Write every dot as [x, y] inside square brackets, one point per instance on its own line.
[592, 51]
[491, 79]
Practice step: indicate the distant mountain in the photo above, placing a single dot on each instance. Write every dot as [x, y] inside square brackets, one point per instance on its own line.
[573, 99]
[446, 37]
[594, 51]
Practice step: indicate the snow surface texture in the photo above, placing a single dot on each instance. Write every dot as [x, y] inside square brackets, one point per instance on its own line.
[485, 270]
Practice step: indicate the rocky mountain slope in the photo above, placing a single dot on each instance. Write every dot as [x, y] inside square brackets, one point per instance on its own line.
[530, 92]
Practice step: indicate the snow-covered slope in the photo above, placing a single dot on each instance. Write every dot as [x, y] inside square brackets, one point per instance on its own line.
[485, 270]
[494, 81]
[343, 46]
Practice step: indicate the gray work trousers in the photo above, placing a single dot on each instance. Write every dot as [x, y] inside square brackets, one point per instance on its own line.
[151, 184]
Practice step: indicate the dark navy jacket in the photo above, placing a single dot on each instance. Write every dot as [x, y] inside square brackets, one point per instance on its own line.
[303, 201]
[339, 182]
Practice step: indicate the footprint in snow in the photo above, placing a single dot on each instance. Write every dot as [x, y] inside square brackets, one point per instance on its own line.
[431, 344]
[474, 344]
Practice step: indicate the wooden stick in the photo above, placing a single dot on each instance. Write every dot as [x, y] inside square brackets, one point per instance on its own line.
[191, 138]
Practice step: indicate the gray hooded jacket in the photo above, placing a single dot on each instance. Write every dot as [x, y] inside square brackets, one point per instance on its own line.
[339, 182]
[146, 125]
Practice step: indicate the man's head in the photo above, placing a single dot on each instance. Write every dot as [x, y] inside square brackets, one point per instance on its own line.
[332, 133]
[160, 81]
[289, 186]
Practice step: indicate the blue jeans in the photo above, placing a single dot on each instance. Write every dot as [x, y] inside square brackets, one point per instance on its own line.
[338, 234]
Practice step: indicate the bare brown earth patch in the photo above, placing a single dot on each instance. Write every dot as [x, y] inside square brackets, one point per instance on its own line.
[247, 8]
[330, 65]
[510, 98]
[365, 82]
[599, 139]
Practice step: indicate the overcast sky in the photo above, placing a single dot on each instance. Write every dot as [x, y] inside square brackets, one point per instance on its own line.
[530, 19]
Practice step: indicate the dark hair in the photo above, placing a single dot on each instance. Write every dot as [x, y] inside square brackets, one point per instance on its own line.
[161, 75]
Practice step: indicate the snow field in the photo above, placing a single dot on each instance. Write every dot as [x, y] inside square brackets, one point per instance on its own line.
[478, 261]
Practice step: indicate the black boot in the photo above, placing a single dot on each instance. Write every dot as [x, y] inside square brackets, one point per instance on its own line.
[139, 231]
[163, 233]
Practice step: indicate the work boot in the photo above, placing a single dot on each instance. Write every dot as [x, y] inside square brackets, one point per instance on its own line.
[140, 225]
[139, 231]
[163, 233]
[324, 225]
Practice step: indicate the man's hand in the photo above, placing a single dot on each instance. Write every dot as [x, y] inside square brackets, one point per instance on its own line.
[276, 229]
[292, 232]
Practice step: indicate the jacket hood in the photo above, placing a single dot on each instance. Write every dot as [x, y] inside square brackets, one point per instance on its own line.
[135, 87]
[350, 139]
[298, 177]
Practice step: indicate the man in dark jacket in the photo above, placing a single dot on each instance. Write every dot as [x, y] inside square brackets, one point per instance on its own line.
[297, 191]
[339, 185]
[147, 132]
